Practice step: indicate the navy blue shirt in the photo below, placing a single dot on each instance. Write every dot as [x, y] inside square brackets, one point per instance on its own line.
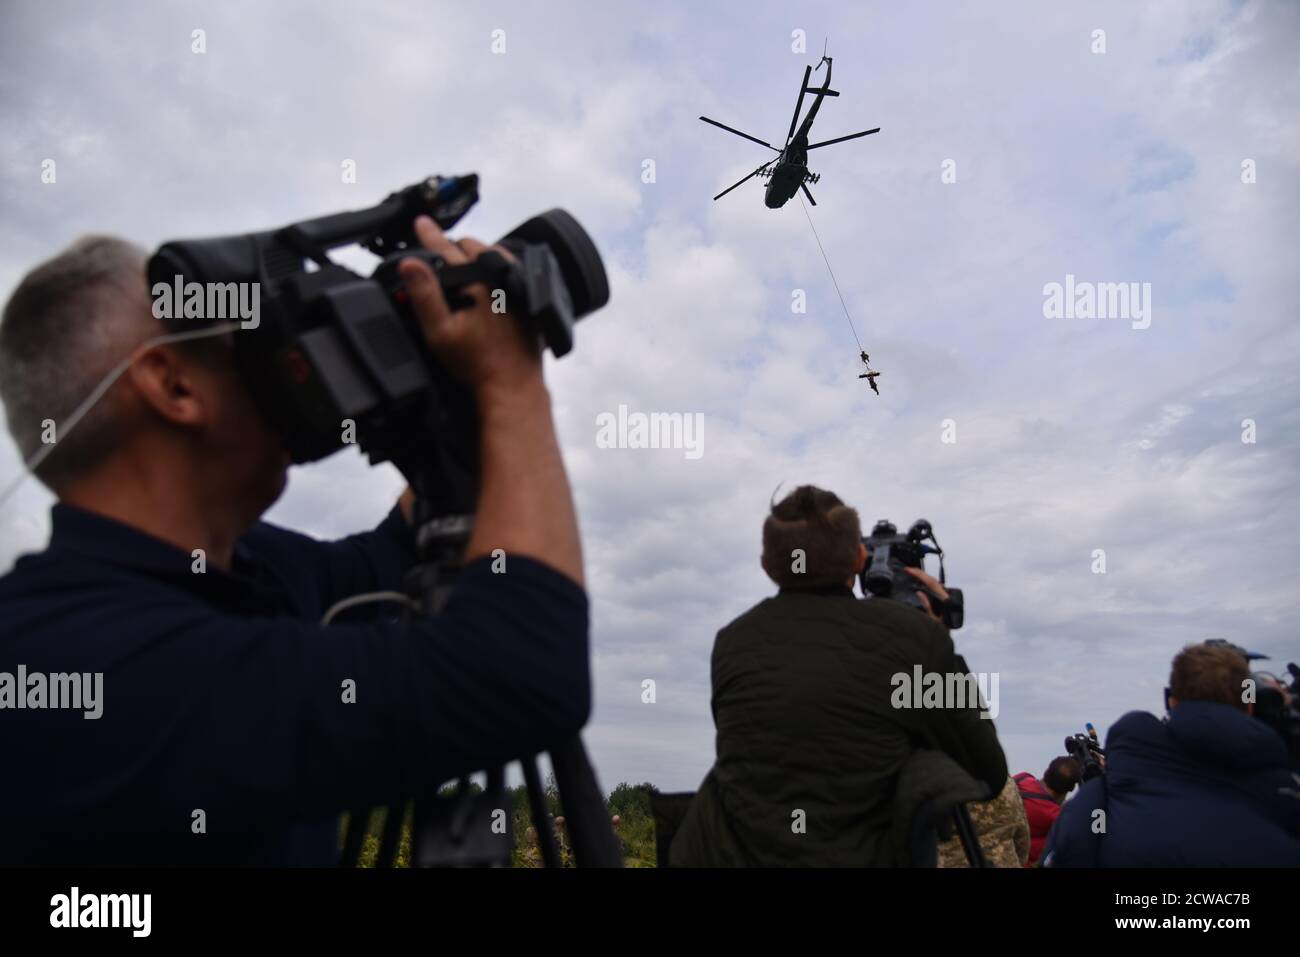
[221, 693]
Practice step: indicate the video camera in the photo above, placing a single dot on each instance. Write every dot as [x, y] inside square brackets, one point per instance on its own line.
[890, 554]
[1087, 750]
[1278, 706]
[332, 346]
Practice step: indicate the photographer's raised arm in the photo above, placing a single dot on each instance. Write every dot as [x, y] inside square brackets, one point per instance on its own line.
[525, 505]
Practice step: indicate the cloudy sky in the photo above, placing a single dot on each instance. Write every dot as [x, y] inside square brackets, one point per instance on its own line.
[1071, 435]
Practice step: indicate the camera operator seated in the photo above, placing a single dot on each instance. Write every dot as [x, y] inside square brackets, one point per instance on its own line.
[1207, 787]
[233, 727]
[809, 745]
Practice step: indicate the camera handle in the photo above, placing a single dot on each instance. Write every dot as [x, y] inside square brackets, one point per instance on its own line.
[490, 268]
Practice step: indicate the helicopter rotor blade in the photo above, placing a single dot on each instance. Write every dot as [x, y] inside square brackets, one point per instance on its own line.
[804, 187]
[841, 139]
[798, 106]
[739, 181]
[738, 133]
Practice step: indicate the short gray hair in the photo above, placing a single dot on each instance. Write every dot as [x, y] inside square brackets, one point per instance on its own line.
[63, 329]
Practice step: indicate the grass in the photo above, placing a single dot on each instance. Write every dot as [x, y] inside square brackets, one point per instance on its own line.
[631, 803]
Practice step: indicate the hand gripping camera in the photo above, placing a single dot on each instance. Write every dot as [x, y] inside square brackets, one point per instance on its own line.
[890, 553]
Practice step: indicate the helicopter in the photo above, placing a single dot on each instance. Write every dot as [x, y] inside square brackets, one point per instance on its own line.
[788, 171]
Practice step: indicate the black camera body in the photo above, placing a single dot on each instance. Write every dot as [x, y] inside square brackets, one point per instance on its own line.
[890, 554]
[1278, 706]
[333, 349]
[1087, 750]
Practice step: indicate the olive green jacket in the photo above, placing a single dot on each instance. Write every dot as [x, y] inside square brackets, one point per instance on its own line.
[809, 742]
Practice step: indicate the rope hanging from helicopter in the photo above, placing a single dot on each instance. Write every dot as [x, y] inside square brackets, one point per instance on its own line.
[869, 375]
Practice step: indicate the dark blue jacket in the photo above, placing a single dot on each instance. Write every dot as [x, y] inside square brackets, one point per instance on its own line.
[1209, 787]
[221, 693]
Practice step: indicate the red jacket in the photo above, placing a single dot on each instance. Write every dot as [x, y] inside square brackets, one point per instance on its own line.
[1041, 809]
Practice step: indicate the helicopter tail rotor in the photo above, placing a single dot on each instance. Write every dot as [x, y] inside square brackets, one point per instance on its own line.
[825, 58]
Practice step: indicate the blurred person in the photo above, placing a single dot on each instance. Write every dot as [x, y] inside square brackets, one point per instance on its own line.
[614, 823]
[1043, 799]
[531, 853]
[562, 841]
[1209, 786]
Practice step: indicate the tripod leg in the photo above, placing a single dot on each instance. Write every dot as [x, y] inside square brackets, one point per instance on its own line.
[358, 824]
[594, 843]
[541, 814]
[969, 839]
[390, 843]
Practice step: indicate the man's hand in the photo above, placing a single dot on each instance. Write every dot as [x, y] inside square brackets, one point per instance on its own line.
[525, 506]
[485, 349]
[931, 583]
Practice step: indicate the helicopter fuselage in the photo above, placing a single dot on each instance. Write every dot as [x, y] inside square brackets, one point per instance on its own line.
[790, 170]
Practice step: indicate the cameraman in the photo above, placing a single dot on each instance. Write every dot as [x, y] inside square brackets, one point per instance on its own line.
[233, 728]
[809, 743]
[1207, 787]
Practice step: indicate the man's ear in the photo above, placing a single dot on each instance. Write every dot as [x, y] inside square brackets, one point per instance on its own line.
[861, 562]
[165, 382]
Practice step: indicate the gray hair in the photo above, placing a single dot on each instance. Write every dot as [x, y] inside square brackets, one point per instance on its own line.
[71, 320]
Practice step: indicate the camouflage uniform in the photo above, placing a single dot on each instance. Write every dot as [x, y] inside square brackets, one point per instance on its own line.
[1003, 831]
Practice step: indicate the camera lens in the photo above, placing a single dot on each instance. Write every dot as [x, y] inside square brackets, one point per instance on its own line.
[579, 261]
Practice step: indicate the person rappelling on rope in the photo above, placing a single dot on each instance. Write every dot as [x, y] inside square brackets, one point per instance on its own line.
[869, 375]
